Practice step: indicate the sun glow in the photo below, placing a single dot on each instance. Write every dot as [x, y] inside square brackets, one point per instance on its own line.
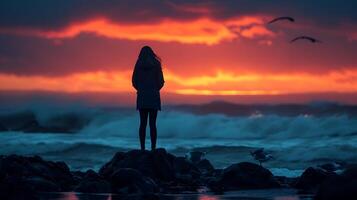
[221, 83]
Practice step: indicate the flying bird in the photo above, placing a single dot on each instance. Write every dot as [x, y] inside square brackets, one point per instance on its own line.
[313, 40]
[282, 18]
[261, 156]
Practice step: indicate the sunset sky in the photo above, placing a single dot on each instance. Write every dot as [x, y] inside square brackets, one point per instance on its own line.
[208, 48]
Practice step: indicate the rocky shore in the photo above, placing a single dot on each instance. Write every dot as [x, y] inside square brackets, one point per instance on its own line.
[145, 174]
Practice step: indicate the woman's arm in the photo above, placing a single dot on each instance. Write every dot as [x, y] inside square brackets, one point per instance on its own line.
[161, 80]
[134, 78]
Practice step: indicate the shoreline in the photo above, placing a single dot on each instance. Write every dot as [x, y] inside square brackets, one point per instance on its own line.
[160, 174]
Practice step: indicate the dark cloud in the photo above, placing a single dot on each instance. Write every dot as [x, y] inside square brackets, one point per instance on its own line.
[46, 14]
[37, 56]
[85, 53]
[25, 55]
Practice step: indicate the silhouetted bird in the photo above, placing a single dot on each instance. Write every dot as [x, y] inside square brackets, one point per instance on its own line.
[282, 18]
[313, 40]
[261, 156]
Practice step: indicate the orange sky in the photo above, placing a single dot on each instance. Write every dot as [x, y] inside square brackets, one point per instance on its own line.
[221, 83]
[202, 55]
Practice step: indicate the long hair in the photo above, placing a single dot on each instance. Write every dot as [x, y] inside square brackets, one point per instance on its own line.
[147, 58]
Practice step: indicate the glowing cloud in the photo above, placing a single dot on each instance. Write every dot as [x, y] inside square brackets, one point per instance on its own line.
[199, 31]
[222, 83]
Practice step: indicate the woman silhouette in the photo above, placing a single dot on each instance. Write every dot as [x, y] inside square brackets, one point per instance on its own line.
[148, 79]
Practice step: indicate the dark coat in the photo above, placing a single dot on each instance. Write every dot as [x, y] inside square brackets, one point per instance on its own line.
[148, 79]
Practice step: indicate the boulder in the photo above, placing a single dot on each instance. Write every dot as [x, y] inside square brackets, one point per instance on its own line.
[158, 164]
[195, 156]
[184, 167]
[93, 183]
[205, 166]
[130, 181]
[14, 188]
[311, 178]
[41, 184]
[342, 186]
[37, 171]
[332, 166]
[247, 175]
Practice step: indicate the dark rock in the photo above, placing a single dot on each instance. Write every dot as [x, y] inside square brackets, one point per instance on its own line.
[182, 166]
[129, 181]
[3, 128]
[36, 170]
[287, 181]
[342, 186]
[205, 166]
[15, 121]
[332, 167]
[32, 127]
[28, 123]
[93, 183]
[247, 175]
[14, 188]
[77, 176]
[311, 178]
[41, 184]
[158, 164]
[195, 156]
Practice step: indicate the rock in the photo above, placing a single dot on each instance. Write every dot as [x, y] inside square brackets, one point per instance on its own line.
[310, 179]
[77, 176]
[332, 167]
[41, 184]
[93, 183]
[205, 166]
[247, 175]
[158, 164]
[37, 171]
[287, 181]
[17, 120]
[14, 188]
[3, 128]
[195, 156]
[130, 181]
[32, 127]
[342, 186]
[182, 166]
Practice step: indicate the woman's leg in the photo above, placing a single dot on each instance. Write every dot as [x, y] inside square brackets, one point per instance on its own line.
[142, 130]
[153, 131]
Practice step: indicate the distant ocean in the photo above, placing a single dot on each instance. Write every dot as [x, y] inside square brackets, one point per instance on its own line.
[298, 136]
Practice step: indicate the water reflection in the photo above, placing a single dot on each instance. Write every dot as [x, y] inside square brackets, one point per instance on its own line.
[208, 197]
[228, 196]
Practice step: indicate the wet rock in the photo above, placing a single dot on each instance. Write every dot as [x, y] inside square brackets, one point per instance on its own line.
[37, 171]
[342, 186]
[247, 175]
[332, 167]
[130, 181]
[77, 176]
[41, 184]
[182, 166]
[286, 181]
[311, 178]
[205, 166]
[195, 156]
[14, 188]
[93, 183]
[158, 164]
